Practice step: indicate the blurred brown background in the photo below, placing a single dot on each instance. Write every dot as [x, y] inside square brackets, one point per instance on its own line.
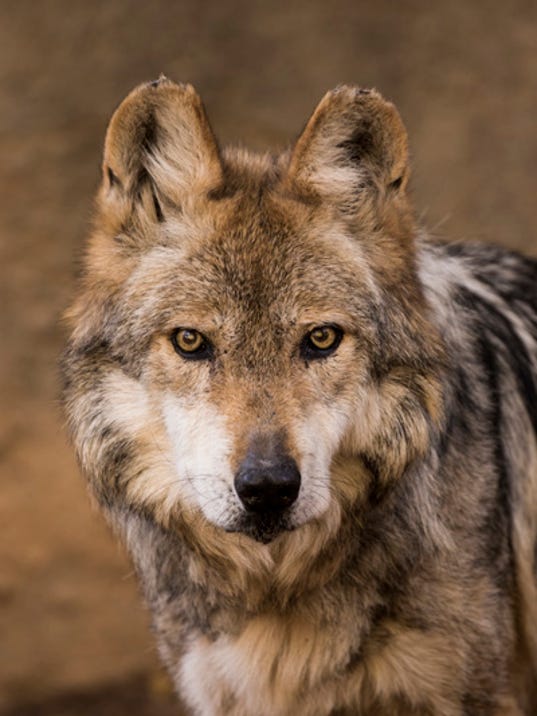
[73, 633]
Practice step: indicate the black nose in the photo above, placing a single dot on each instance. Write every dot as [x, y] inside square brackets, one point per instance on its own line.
[267, 485]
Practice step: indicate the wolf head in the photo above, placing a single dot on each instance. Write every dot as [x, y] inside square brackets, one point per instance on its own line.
[250, 349]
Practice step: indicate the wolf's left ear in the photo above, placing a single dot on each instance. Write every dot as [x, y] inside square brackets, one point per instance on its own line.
[353, 146]
[159, 145]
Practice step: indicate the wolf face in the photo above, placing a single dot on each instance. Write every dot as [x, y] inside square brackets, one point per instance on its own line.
[244, 305]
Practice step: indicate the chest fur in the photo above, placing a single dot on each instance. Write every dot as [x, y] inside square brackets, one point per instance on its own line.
[279, 667]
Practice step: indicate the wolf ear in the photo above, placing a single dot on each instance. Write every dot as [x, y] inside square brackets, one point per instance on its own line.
[354, 146]
[159, 146]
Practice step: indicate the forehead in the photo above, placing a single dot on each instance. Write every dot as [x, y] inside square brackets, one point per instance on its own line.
[263, 255]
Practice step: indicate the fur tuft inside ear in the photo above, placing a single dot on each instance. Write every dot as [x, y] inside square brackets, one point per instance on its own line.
[159, 146]
[354, 142]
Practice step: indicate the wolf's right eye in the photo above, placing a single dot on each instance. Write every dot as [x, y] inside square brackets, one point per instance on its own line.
[191, 344]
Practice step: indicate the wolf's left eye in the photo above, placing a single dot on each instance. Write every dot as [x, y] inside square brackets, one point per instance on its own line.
[321, 341]
[190, 343]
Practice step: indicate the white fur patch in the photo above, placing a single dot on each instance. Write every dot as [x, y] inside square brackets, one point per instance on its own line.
[128, 404]
[201, 448]
[317, 438]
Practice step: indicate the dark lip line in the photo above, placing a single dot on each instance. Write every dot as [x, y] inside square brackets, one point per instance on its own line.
[258, 533]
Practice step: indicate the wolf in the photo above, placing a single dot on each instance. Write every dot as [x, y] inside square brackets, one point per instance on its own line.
[313, 427]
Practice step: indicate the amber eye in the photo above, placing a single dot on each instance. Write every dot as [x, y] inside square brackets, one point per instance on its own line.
[321, 341]
[190, 343]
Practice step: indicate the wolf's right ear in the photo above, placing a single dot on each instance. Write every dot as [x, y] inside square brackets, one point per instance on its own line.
[353, 149]
[159, 147]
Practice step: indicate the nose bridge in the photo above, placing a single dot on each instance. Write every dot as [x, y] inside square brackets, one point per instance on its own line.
[268, 447]
[260, 417]
[258, 410]
[260, 365]
[260, 345]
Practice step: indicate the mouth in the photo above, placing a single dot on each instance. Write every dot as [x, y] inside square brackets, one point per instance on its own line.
[262, 528]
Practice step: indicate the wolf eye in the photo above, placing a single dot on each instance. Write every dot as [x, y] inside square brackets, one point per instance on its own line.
[190, 343]
[321, 341]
